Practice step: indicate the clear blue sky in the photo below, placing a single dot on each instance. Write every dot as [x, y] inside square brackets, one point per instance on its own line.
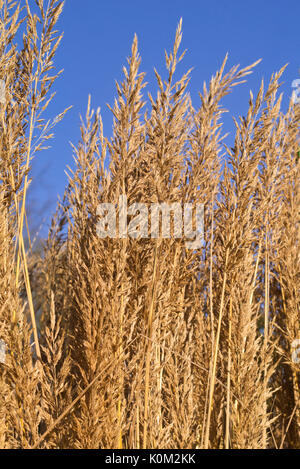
[97, 39]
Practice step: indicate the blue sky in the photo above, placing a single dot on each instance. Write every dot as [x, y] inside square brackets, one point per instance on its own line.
[97, 39]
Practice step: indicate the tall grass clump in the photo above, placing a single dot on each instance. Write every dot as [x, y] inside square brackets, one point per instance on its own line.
[139, 342]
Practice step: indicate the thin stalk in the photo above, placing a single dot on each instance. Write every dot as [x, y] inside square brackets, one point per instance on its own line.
[215, 357]
[148, 349]
[227, 433]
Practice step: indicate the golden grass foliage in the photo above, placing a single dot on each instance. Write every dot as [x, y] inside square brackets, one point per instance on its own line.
[143, 343]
